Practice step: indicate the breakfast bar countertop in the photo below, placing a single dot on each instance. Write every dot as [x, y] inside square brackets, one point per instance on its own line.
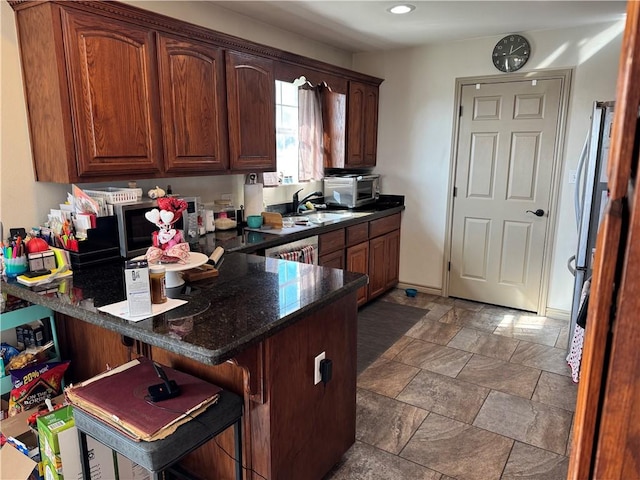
[252, 298]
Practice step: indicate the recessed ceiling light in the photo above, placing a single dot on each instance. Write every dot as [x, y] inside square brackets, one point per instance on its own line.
[403, 8]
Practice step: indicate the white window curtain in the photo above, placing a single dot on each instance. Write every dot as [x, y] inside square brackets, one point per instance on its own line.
[310, 131]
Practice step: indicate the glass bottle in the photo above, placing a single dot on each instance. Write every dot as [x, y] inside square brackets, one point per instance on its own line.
[158, 284]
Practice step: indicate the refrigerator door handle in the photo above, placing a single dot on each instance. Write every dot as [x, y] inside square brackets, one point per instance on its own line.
[572, 269]
[578, 196]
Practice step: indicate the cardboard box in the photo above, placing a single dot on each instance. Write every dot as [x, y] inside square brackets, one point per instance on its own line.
[14, 464]
[128, 470]
[60, 449]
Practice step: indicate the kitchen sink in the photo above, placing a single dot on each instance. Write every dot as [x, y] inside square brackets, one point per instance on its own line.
[322, 217]
[317, 217]
[295, 223]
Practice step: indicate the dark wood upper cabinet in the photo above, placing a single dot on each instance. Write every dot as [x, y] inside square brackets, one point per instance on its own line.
[193, 99]
[114, 100]
[362, 125]
[91, 92]
[251, 98]
[116, 92]
[370, 115]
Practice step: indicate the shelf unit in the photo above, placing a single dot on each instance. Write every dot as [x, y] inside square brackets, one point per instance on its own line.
[15, 318]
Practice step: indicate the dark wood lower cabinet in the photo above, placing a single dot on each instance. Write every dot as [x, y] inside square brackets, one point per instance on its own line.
[383, 263]
[358, 261]
[292, 429]
[372, 247]
[333, 260]
[90, 348]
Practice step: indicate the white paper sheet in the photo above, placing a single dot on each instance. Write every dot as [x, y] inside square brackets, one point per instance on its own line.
[121, 309]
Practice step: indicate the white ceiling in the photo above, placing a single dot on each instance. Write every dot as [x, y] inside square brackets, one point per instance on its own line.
[360, 26]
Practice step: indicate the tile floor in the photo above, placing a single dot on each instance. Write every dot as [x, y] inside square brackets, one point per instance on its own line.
[471, 391]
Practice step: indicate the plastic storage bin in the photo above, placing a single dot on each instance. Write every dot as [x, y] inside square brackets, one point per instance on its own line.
[15, 318]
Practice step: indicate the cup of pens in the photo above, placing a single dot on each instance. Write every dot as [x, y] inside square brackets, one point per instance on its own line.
[14, 266]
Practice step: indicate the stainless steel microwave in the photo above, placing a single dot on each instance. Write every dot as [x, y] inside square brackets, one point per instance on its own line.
[135, 231]
[351, 190]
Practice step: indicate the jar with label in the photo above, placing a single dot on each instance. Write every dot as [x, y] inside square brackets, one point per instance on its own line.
[158, 284]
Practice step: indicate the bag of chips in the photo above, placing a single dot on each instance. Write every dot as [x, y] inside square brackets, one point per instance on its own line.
[32, 385]
[7, 352]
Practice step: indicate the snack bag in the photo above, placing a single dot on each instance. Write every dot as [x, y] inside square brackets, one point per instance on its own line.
[34, 384]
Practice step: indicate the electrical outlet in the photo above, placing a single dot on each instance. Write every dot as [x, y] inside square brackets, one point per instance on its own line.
[317, 378]
[573, 176]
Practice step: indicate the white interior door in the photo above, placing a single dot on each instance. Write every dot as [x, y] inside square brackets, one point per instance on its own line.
[506, 150]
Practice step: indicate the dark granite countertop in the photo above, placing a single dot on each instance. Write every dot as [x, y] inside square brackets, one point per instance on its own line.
[252, 298]
[247, 241]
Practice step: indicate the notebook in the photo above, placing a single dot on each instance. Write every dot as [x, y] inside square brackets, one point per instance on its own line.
[119, 398]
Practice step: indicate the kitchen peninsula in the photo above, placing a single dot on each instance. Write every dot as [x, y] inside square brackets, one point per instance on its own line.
[255, 330]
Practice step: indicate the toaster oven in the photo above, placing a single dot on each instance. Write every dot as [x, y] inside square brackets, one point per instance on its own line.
[352, 190]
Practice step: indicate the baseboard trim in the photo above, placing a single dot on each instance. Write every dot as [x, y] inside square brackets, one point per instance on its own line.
[559, 314]
[421, 288]
[554, 313]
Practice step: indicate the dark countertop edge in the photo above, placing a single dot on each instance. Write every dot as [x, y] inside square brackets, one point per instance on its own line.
[199, 354]
[275, 240]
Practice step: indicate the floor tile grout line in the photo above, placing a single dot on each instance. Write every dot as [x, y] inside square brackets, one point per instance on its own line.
[429, 412]
[472, 355]
[400, 456]
[504, 467]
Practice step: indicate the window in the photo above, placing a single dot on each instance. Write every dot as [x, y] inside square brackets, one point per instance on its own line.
[305, 139]
[287, 132]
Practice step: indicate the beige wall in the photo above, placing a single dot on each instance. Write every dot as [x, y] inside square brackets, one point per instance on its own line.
[24, 202]
[416, 129]
[416, 124]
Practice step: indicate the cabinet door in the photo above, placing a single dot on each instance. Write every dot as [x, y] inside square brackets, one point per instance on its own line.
[251, 101]
[384, 263]
[90, 348]
[370, 131]
[355, 125]
[333, 260]
[358, 261]
[194, 118]
[377, 267]
[114, 95]
[392, 252]
[362, 127]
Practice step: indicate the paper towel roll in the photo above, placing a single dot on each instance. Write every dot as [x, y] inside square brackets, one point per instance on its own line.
[253, 199]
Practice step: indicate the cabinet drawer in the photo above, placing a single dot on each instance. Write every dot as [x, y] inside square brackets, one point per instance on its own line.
[331, 241]
[357, 233]
[333, 259]
[384, 225]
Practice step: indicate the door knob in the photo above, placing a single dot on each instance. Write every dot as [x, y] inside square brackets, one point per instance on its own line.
[538, 213]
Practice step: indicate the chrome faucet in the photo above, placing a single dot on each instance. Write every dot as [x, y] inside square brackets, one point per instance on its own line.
[297, 203]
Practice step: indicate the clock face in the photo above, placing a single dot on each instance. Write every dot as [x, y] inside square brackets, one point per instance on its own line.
[511, 53]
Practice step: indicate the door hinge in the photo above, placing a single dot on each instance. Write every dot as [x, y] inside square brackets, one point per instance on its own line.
[449, 267]
[460, 111]
[455, 191]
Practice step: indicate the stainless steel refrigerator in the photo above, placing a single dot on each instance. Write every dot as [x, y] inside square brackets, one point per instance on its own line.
[591, 197]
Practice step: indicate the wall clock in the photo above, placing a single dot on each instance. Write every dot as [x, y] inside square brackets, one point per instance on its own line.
[511, 53]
